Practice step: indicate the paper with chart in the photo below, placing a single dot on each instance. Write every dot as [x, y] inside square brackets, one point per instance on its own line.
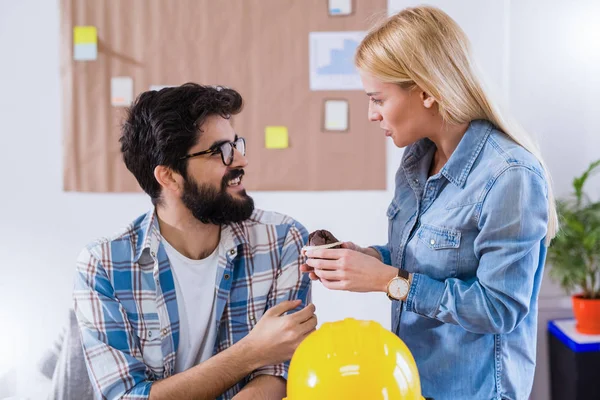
[331, 60]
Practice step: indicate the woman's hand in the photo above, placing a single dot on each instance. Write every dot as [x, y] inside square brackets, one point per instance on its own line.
[346, 245]
[353, 246]
[348, 269]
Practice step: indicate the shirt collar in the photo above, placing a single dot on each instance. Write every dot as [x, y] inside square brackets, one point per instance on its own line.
[232, 235]
[150, 235]
[461, 161]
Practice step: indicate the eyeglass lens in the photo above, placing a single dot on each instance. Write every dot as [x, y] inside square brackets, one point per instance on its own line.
[227, 150]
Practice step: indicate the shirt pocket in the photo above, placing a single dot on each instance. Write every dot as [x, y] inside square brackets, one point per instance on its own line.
[438, 251]
[241, 324]
[245, 309]
[151, 348]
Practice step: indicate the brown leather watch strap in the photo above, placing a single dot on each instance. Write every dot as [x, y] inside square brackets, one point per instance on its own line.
[403, 274]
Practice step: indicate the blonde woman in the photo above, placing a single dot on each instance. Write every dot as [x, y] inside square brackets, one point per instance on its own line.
[470, 220]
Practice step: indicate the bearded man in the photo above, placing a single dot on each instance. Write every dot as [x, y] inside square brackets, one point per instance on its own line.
[202, 297]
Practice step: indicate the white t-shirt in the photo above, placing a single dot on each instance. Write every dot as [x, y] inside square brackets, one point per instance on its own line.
[195, 291]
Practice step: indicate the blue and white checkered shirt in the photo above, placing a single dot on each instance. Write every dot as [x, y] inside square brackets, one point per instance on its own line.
[127, 309]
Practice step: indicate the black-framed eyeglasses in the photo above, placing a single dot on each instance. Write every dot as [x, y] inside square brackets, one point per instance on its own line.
[226, 149]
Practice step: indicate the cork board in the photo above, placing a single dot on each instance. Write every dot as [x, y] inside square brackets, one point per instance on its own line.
[258, 47]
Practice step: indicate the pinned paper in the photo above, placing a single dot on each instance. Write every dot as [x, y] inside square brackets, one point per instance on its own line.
[340, 7]
[85, 35]
[336, 115]
[85, 43]
[331, 60]
[157, 88]
[121, 91]
[276, 137]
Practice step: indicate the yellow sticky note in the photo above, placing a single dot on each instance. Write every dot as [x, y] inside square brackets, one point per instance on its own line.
[276, 137]
[85, 35]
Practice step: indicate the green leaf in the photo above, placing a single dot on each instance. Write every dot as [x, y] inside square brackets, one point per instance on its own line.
[578, 241]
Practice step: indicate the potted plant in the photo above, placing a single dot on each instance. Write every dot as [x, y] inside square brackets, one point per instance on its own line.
[574, 255]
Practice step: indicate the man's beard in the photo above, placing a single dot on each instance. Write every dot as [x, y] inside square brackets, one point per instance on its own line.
[212, 206]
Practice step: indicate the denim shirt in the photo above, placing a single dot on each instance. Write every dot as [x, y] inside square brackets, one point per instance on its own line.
[473, 236]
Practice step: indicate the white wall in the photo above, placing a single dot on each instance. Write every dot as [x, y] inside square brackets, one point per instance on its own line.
[530, 60]
[554, 81]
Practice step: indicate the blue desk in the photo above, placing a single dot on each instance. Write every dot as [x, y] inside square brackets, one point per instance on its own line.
[574, 362]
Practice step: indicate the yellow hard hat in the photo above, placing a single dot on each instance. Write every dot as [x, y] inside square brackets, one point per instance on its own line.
[353, 359]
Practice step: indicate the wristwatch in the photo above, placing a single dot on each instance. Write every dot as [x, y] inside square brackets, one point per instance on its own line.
[398, 287]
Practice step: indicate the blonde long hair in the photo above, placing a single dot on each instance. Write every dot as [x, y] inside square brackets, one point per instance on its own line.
[423, 46]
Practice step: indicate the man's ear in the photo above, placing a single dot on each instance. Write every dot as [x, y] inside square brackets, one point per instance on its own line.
[169, 180]
[427, 99]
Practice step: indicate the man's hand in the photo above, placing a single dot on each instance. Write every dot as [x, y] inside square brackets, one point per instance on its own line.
[276, 336]
[272, 341]
[263, 387]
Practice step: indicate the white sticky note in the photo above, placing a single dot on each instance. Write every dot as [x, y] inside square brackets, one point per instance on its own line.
[85, 52]
[340, 7]
[121, 91]
[336, 115]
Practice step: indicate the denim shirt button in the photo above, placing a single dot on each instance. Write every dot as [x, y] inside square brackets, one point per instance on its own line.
[432, 242]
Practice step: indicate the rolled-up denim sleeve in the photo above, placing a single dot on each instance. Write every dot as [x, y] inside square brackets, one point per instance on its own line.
[384, 253]
[512, 223]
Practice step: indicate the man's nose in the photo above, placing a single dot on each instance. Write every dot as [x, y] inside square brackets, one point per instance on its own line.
[239, 160]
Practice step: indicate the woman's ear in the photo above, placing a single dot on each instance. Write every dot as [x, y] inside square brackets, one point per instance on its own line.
[427, 99]
[169, 180]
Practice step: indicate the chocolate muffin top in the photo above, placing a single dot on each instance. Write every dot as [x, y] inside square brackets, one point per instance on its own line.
[321, 237]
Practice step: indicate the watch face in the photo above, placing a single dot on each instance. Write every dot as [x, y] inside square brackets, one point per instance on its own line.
[399, 288]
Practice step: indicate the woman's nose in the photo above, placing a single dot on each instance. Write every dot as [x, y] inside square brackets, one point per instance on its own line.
[374, 116]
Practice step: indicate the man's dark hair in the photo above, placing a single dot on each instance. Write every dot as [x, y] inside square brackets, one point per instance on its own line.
[162, 126]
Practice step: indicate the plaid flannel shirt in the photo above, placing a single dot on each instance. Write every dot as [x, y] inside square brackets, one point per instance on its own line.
[126, 308]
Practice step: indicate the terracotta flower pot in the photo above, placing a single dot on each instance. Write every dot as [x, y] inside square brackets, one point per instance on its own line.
[587, 314]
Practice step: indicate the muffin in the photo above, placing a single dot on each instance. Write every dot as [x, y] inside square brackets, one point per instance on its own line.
[322, 239]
